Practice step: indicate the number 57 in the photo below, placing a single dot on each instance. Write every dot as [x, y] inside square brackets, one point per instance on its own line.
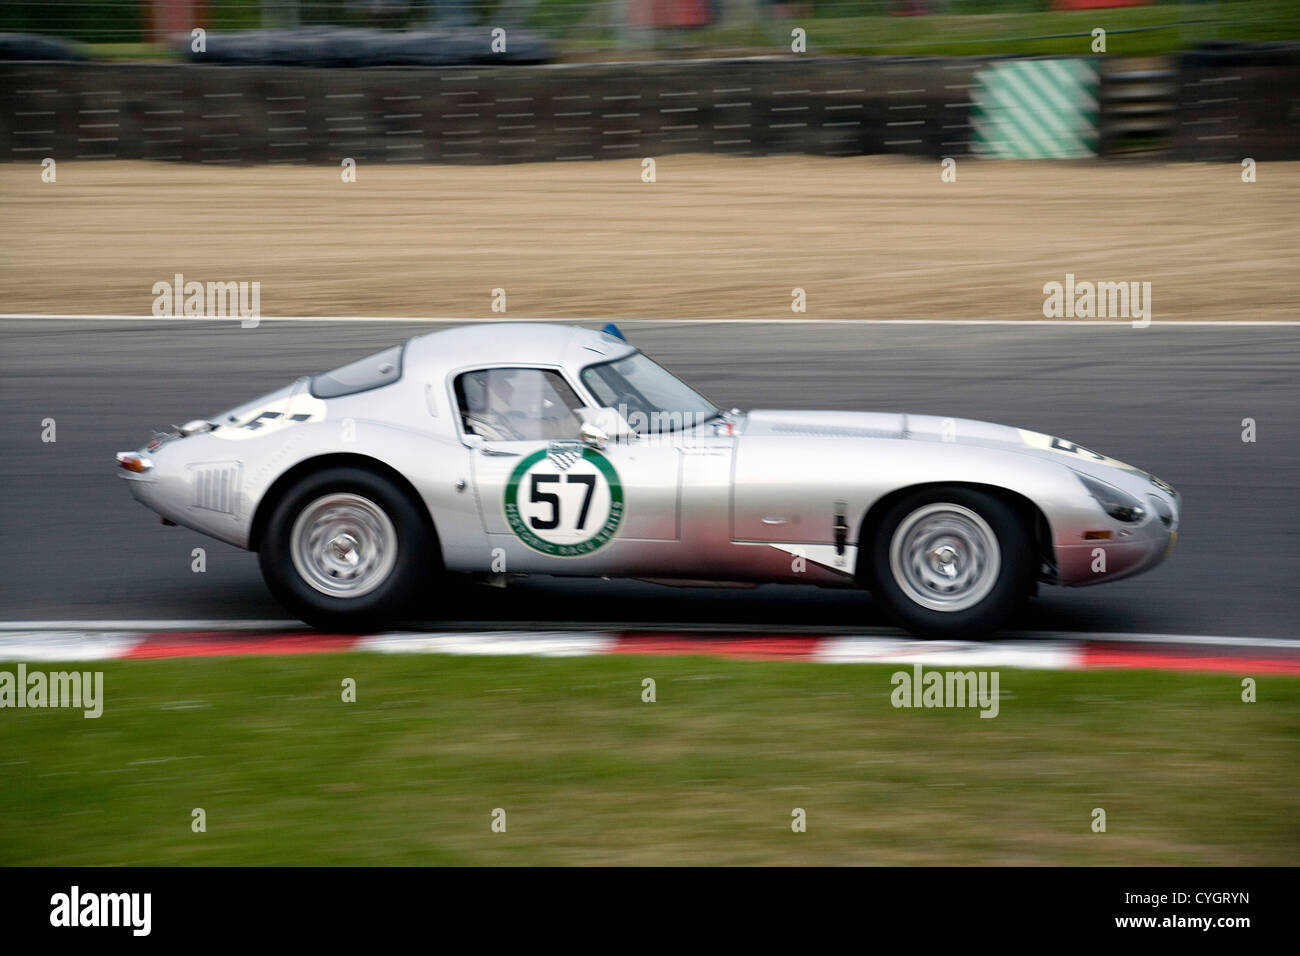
[537, 496]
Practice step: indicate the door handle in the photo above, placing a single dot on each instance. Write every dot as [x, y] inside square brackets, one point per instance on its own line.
[497, 452]
[773, 520]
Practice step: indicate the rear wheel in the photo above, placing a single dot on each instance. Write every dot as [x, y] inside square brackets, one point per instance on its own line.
[950, 562]
[346, 550]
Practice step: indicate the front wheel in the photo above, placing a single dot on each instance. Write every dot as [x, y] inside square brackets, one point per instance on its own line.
[950, 562]
[345, 550]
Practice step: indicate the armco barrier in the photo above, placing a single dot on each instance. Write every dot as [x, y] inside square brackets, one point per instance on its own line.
[833, 106]
[755, 106]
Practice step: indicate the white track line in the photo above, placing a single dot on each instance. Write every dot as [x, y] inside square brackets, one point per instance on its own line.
[534, 643]
[1037, 655]
[470, 320]
[501, 631]
[1274, 643]
[67, 645]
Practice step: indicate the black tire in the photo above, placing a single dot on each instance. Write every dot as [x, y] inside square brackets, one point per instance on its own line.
[899, 576]
[348, 503]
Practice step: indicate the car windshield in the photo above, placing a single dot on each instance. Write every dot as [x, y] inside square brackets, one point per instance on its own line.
[649, 397]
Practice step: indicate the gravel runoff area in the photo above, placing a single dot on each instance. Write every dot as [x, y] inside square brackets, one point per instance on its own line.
[864, 237]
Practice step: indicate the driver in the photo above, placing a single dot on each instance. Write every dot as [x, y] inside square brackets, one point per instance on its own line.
[492, 418]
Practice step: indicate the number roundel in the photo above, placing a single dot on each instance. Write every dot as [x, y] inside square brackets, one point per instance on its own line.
[564, 501]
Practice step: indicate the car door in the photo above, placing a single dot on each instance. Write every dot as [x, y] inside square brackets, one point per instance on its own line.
[548, 501]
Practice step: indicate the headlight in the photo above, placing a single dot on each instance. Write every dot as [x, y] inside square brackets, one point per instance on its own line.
[1162, 509]
[1118, 504]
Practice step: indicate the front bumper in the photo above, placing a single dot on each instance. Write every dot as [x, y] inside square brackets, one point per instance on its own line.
[1129, 549]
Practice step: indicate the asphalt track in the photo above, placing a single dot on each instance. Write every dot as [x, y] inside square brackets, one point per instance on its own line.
[1170, 400]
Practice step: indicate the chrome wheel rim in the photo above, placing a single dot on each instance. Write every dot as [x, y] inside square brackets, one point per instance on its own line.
[343, 545]
[945, 557]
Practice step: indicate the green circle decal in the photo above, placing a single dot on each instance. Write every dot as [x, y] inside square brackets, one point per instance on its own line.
[565, 501]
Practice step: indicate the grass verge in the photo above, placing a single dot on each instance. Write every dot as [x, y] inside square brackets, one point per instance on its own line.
[588, 773]
[1131, 31]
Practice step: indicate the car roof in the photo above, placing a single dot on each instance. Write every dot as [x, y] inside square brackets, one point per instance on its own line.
[512, 343]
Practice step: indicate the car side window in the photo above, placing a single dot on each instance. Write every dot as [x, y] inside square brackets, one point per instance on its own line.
[518, 404]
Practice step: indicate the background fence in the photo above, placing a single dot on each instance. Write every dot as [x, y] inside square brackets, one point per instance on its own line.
[1207, 107]
[832, 106]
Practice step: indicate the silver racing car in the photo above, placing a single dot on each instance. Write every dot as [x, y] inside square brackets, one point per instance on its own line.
[502, 450]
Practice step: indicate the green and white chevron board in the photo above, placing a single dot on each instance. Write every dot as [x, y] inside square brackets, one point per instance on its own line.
[1036, 109]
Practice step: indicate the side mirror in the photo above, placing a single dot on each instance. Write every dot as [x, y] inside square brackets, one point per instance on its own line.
[604, 425]
[593, 436]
